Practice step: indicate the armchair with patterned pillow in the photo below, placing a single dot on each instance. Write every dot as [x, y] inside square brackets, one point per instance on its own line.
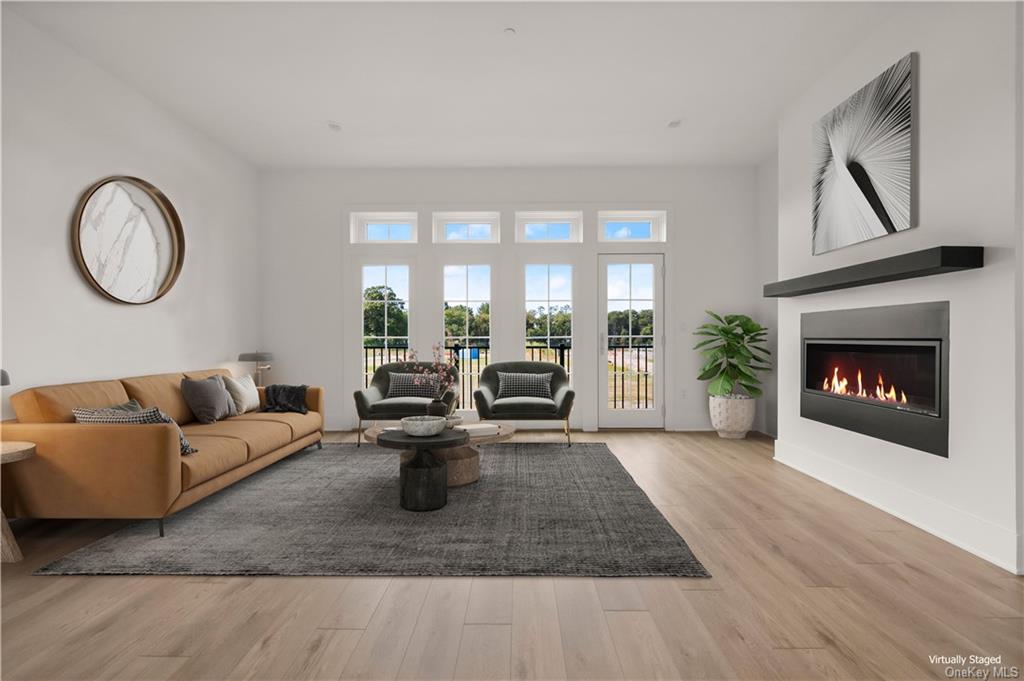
[387, 400]
[525, 391]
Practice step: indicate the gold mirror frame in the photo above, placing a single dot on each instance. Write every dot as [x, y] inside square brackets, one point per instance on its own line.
[170, 217]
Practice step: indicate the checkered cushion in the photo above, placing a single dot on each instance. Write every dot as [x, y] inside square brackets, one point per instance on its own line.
[523, 385]
[413, 385]
[150, 415]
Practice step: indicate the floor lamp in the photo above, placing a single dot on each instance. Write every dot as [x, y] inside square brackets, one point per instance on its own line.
[261, 359]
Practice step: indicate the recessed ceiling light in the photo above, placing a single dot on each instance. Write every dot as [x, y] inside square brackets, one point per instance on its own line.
[510, 31]
[334, 126]
[675, 123]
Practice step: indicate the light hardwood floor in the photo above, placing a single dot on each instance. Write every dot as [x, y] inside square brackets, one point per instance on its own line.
[808, 584]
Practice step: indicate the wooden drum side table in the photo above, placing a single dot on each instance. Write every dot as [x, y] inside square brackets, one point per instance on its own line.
[424, 478]
[9, 453]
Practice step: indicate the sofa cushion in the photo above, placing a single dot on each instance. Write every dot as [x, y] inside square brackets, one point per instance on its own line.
[400, 405]
[53, 403]
[524, 405]
[208, 398]
[216, 455]
[301, 424]
[262, 437]
[160, 390]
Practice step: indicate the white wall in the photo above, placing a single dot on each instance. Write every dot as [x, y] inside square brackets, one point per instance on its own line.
[312, 285]
[767, 245]
[968, 181]
[66, 124]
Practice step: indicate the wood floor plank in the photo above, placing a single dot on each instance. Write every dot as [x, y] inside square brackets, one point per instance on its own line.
[356, 604]
[485, 653]
[434, 646]
[641, 650]
[380, 650]
[586, 642]
[324, 655]
[619, 593]
[536, 635]
[490, 601]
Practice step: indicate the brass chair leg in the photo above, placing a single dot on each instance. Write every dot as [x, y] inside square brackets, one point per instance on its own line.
[568, 437]
[359, 434]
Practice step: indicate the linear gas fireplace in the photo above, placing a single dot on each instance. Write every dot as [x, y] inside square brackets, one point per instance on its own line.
[880, 371]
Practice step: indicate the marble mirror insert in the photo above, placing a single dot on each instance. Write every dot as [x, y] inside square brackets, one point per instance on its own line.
[127, 240]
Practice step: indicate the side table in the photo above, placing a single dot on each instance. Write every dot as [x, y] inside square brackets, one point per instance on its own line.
[9, 453]
[424, 478]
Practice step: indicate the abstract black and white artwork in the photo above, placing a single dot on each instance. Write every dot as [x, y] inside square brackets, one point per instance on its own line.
[863, 163]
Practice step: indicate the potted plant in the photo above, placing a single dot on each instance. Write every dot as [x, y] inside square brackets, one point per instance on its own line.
[446, 378]
[734, 353]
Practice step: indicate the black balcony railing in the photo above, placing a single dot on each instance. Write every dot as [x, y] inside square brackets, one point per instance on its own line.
[631, 377]
[630, 369]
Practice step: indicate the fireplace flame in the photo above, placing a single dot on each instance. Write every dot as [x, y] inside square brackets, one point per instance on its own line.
[840, 385]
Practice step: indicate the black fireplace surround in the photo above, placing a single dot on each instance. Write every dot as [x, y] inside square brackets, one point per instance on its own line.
[880, 371]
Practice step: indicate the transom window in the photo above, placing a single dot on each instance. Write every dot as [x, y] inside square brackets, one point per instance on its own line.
[383, 228]
[467, 323]
[549, 314]
[549, 226]
[385, 316]
[472, 227]
[631, 225]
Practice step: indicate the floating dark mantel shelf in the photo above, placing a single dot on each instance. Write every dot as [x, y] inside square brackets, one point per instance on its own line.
[938, 260]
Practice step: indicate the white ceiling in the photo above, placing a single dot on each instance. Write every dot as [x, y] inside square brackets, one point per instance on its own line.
[437, 85]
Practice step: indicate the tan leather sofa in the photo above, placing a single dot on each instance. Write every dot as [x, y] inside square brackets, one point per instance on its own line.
[96, 470]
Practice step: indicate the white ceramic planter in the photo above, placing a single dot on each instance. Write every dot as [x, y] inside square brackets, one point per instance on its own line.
[732, 416]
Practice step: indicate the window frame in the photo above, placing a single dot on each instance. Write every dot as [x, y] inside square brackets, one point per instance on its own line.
[573, 217]
[443, 218]
[360, 220]
[657, 218]
[571, 301]
[362, 302]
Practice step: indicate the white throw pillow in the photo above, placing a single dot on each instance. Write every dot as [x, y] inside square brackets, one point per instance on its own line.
[243, 392]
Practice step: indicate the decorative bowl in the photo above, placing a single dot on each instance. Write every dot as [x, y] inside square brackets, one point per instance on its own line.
[424, 426]
[454, 421]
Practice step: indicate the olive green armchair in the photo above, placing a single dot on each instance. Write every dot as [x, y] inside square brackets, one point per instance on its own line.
[373, 403]
[525, 408]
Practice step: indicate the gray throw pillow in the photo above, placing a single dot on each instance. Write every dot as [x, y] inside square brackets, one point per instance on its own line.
[129, 406]
[208, 399]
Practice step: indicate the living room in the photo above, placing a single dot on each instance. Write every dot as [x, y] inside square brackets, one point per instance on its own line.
[512, 340]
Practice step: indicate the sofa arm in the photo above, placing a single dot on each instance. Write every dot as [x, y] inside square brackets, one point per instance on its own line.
[564, 398]
[93, 470]
[484, 398]
[365, 399]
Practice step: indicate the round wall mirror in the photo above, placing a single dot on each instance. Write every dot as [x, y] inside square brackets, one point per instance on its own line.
[127, 240]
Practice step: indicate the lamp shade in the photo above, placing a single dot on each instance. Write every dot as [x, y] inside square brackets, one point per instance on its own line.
[5, 378]
[256, 357]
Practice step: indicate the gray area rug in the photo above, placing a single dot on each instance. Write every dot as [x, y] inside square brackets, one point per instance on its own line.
[538, 509]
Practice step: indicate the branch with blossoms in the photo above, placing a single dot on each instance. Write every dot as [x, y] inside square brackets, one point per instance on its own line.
[439, 365]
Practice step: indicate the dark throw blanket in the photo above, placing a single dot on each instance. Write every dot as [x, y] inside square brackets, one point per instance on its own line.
[286, 398]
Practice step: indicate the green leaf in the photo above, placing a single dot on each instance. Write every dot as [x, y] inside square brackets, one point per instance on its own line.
[708, 373]
[714, 316]
[720, 386]
[709, 341]
[752, 390]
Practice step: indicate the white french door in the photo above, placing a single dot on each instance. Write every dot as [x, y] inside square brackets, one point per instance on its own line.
[630, 365]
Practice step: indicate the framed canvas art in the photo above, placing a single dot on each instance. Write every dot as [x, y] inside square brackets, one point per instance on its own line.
[863, 163]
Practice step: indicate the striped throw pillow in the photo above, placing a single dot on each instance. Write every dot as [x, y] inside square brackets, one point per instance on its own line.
[512, 384]
[413, 385]
[114, 415]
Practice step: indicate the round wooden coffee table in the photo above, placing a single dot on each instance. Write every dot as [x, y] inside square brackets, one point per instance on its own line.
[464, 460]
[10, 452]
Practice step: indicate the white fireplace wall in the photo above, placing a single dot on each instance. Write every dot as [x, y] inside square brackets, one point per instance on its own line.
[968, 179]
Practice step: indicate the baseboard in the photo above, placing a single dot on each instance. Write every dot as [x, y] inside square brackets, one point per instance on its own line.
[998, 545]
